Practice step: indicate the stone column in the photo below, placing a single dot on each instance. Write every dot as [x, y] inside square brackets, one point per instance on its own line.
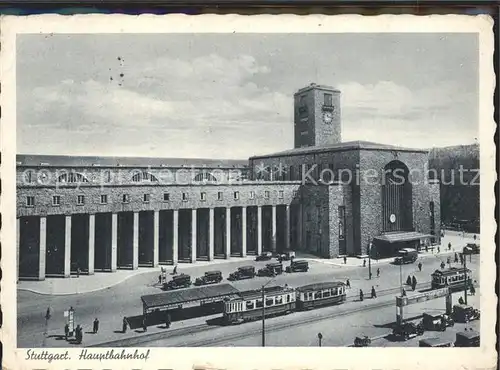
[18, 245]
[259, 230]
[287, 228]
[175, 242]
[43, 248]
[211, 234]
[228, 232]
[273, 229]
[67, 246]
[194, 238]
[243, 231]
[156, 238]
[114, 241]
[135, 242]
[91, 244]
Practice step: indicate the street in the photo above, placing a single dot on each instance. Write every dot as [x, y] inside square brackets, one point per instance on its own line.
[112, 304]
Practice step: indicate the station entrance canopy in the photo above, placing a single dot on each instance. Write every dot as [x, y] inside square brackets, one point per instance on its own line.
[188, 297]
[401, 237]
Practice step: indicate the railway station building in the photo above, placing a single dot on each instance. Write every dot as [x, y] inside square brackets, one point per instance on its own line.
[324, 197]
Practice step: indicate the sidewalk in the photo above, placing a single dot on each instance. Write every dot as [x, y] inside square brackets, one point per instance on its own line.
[103, 280]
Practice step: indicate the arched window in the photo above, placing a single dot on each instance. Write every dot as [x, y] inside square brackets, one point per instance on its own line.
[205, 177]
[71, 178]
[143, 176]
[397, 214]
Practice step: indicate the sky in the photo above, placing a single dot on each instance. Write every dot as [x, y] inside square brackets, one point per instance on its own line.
[231, 95]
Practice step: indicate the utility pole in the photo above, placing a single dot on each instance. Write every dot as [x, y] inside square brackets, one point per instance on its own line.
[370, 261]
[465, 272]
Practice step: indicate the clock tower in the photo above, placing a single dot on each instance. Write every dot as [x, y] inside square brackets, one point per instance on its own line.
[317, 116]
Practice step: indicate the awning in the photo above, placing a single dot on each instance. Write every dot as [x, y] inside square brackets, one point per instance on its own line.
[178, 297]
[401, 237]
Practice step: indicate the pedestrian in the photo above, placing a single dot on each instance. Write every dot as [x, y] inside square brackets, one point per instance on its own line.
[159, 279]
[96, 326]
[461, 300]
[175, 270]
[361, 295]
[442, 265]
[144, 326]
[448, 261]
[426, 248]
[79, 334]
[449, 246]
[374, 293]
[474, 237]
[439, 249]
[291, 259]
[168, 320]
[472, 290]
[413, 283]
[348, 283]
[408, 281]
[78, 272]
[66, 331]
[345, 260]
[124, 325]
[456, 257]
[364, 262]
[420, 266]
[461, 258]
[403, 293]
[378, 272]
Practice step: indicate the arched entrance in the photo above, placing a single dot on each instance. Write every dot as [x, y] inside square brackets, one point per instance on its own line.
[397, 212]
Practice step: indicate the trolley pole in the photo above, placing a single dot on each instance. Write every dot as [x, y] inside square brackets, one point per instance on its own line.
[465, 272]
[263, 318]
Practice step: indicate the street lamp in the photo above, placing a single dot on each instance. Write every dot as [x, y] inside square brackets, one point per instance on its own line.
[465, 251]
[264, 312]
[370, 260]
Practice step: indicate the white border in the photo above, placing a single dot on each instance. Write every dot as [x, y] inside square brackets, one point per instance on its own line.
[256, 358]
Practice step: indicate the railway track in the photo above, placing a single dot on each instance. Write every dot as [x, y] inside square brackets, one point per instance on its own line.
[200, 328]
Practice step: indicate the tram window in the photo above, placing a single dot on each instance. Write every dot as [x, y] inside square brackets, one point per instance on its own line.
[326, 293]
[259, 303]
[250, 305]
[269, 301]
[317, 295]
[288, 298]
[278, 299]
[309, 295]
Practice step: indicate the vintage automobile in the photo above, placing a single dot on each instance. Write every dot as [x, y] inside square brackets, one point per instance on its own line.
[287, 255]
[178, 282]
[364, 341]
[265, 256]
[210, 277]
[244, 272]
[434, 342]
[464, 313]
[468, 338]
[473, 248]
[407, 330]
[436, 322]
[298, 266]
[271, 269]
[406, 255]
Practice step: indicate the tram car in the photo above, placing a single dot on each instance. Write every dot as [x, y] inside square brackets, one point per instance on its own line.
[320, 294]
[248, 305]
[453, 278]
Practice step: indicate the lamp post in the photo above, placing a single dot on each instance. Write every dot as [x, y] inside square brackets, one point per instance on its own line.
[370, 260]
[465, 250]
[264, 312]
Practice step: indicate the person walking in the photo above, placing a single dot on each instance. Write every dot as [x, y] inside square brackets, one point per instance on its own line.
[449, 246]
[66, 331]
[456, 257]
[472, 290]
[474, 237]
[78, 271]
[420, 266]
[361, 295]
[124, 325]
[378, 272]
[144, 326]
[95, 326]
[408, 281]
[168, 320]
[364, 262]
[403, 294]
[374, 293]
[345, 260]
[348, 283]
[175, 270]
[439, 249]
[78, 334]
[442, 265]
[413, 283]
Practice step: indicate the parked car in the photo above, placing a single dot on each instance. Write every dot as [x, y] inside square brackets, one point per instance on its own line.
[362, 341]
[434, 342]
[407, 330]
[266, 256]
[473, 248]
[287, 255]
[210, 277]
[298, 266]
[436, 322]
[178, 282]
[244, 272]
[468, 338]
[464, 313]
[271, 269]
[406, 255]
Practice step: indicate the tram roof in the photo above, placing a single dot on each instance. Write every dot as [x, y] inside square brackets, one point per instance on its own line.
[450, 271]
[272, 290]
[320, 286]
[188, 295]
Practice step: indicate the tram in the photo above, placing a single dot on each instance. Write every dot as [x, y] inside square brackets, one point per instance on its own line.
[320, 294]
[248, 306]
[453, 278]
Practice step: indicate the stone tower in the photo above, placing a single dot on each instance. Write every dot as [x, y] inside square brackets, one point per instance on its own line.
[317, 116]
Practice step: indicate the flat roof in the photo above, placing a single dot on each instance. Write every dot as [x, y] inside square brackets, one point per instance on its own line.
[401, 237]
[450, 271]
[98, 161]
[320, 286]
[188, 295]
[341, 147]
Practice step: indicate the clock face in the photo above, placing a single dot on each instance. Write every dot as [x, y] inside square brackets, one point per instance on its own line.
[328, 117]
